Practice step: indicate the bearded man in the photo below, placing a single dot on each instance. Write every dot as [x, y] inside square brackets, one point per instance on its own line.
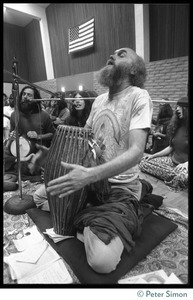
[120, 120]
[34, 125]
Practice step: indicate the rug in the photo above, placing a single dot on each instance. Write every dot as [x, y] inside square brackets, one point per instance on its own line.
[13, 226]
[171, 254]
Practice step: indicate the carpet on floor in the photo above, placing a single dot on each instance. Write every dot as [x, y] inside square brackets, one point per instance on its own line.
[171, 254]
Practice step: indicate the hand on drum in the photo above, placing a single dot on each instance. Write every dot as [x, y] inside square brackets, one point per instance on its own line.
[157, 134]
[75, 180]
[13, 134]
[32, 134]
[36, 160]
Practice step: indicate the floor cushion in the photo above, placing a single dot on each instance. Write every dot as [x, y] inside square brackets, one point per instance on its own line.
[155, 229]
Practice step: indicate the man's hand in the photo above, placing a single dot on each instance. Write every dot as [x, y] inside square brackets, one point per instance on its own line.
[36, 160]
[157, 134]
[12, 134]
[32, 134]
[148, 157]
[75, 180]
[57, 121]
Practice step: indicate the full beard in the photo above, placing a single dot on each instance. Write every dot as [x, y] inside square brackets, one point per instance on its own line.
[27, 107]
[112, 75]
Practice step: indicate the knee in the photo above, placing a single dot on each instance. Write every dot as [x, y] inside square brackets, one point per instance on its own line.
[38, 195]
[40, 198]
[101, 264]
[102, 258]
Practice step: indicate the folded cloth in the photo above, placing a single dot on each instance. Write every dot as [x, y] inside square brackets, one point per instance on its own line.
[152, 199]
[121, 216]
[147, 188]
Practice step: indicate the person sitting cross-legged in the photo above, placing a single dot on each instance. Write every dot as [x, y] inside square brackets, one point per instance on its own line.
[171, 163]
[34, 126]
[120, 120]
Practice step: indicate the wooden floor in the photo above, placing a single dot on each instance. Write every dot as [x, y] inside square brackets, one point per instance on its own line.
[178, 200]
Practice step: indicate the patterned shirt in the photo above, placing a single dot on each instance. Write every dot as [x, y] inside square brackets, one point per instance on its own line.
[112, 120]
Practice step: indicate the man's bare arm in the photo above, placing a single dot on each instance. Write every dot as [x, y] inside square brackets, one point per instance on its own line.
[137, 141]
[79, 176]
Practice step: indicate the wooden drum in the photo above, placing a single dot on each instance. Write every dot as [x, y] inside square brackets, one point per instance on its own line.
[69, 144]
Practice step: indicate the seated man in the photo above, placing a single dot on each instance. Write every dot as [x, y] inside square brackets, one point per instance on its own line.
[120, 120]
[34, 125]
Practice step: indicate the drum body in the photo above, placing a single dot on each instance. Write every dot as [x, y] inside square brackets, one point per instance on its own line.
[26, 147]
[69, 144]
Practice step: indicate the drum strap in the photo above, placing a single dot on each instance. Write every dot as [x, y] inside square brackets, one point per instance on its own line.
[92, 149]
[6, 116]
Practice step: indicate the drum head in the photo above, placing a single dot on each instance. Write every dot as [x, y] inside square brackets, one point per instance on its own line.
[24, 147]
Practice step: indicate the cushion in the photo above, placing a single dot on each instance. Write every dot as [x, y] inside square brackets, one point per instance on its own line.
[158, 168]
[155, 229]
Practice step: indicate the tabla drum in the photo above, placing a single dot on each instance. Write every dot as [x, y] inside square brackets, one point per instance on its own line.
[26, 147]
[72, 145]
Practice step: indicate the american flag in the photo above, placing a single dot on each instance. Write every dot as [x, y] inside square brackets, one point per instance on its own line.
[81, 37]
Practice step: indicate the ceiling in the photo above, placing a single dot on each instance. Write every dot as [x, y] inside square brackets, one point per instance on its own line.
[18, 18]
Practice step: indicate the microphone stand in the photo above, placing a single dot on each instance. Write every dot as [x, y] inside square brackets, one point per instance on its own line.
[17, 204]
[15, 92]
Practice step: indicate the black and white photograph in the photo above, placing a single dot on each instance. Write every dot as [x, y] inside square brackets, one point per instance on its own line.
[96, 147]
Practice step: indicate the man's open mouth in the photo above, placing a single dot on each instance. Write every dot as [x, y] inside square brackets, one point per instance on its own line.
[110, 62]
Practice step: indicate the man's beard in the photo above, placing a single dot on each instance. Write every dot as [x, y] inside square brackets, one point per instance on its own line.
[112, 75]
[28, 107]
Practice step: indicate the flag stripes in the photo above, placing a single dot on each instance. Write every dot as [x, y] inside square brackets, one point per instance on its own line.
[81, 37]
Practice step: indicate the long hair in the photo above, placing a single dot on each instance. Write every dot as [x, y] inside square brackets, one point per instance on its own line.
[177, 123]
[75, 118]
[165, 113]
[36, 105]
[139, 73]
[60, 104]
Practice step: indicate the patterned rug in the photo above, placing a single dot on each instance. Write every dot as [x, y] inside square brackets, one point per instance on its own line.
[14, 226]
[171, 254]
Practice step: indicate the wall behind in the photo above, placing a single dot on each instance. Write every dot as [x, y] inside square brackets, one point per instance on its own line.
[169, 30]
[114, 28]
[14, 45]
[168, 78]
[26, 45]
[7, 88]
[35, 56]
[73, 82]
